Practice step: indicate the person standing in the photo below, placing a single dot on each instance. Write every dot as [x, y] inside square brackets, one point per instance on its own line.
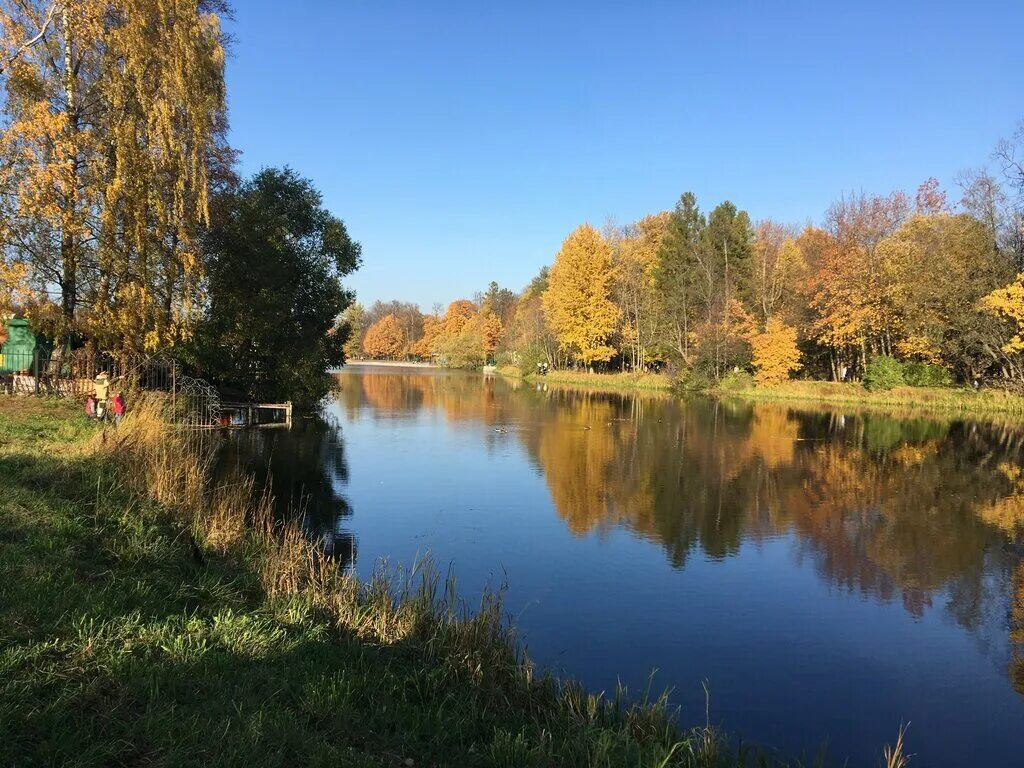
[101, 390]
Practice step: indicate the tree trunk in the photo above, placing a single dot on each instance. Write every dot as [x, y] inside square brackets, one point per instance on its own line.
[69, 237]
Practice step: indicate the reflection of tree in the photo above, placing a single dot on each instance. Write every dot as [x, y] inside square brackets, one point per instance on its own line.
[906, 509]
[899, 509]
[1017, 629]
[305, 469]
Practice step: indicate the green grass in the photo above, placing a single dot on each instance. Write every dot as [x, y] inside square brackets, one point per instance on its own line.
[916, 399]
[137, 633]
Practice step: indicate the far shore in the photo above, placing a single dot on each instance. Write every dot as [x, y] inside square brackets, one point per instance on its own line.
[922, 400]
[387, 364]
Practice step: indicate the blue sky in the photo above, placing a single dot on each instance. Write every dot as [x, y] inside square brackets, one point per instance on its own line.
[462, 141]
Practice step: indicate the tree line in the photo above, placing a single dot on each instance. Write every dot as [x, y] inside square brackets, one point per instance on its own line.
[124, 227]
[922, 280]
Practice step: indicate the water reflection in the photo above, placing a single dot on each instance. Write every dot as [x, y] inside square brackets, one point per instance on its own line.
[305, 468]
[896, 509]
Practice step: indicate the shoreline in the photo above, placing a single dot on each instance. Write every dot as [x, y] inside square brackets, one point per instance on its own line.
[604, 382]
[386, 364]
[946, 402]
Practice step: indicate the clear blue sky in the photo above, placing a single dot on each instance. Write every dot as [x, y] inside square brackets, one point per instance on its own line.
[462, 141]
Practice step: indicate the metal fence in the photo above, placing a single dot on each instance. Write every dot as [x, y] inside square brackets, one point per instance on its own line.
[73, 374]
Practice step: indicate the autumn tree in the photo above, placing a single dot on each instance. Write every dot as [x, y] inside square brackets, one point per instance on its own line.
[456, 340]
[529, 334]
[930, 199]
[1007, 303]
[466, 336]
[489, 326]
[777, 268]
[775, 352]
[14, 291]
[937, 269]
[456, 316]
[636, 251]
[578, 304]
[423, 347]
[407, 313]
[853, 314]
[385, 339]
[113, 134]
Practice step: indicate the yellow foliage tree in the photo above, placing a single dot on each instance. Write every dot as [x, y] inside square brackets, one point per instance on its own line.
[384, 339]
[938, 268]
[14, 290]
[578, 303]
[115, 120]
[636, 257]
[488, 325]
[777, 268]
[776, 354]
[1008, 303]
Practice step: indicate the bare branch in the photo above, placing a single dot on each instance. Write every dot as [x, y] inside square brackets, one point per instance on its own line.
[29, 43]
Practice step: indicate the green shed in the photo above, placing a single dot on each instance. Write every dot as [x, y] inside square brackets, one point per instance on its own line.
[18, 353]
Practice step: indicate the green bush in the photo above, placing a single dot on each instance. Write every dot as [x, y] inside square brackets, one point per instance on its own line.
[737, 381]
[883, 372]
[926, 375]
[691, 380]
[529, 357]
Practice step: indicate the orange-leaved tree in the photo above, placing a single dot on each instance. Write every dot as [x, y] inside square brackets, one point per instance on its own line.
[423, 347]
[385, 339]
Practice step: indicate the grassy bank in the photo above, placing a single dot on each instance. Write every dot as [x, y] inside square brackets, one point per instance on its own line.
[615, 382]
[937, 400]
[150, 618]
[947, 400]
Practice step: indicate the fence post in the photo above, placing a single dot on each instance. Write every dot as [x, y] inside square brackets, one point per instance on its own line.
[35, 361]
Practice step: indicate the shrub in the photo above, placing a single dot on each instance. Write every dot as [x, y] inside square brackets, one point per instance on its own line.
[883, 372]
[691, 380]
[926, 375]
[737, 381]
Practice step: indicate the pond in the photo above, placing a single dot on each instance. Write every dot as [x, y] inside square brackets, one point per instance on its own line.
[827, 575]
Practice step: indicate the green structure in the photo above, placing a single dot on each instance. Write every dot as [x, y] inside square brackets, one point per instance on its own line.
[18, 353]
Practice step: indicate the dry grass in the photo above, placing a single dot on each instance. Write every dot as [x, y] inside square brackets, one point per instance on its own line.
[173, 467]
[895, 755]
[904, 399]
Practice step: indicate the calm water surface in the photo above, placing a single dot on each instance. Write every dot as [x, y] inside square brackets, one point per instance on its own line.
[829, 575]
